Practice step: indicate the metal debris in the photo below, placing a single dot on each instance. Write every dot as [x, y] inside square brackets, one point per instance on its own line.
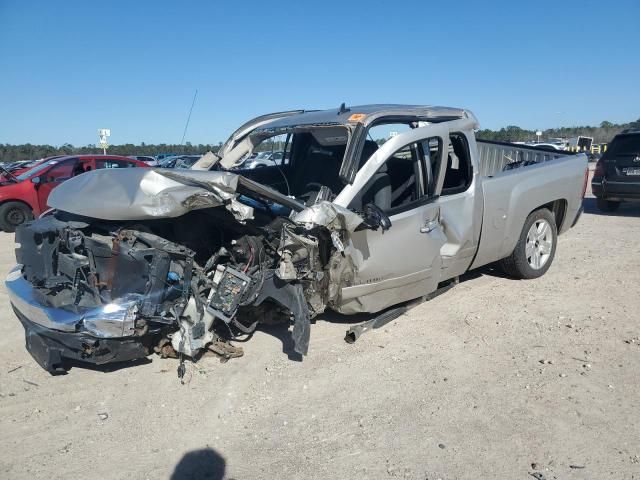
[225, 350]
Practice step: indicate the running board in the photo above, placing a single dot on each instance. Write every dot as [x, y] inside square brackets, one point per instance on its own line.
[391, 314]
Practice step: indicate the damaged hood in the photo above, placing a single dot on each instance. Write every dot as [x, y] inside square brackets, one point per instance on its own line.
[144, 193]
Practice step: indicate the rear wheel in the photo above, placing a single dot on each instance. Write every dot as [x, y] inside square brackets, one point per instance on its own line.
[536, 247]
[13, 214]
[607, 205]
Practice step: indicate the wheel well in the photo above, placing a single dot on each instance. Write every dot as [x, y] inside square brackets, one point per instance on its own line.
[558, 208]
[17, 201]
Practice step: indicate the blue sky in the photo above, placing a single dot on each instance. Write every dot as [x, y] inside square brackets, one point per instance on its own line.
[70, 67]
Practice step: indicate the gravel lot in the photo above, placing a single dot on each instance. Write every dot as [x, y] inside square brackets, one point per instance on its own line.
[480, 383]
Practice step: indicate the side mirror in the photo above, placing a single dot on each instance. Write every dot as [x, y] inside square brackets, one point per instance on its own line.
[36, 180]
[375, 218]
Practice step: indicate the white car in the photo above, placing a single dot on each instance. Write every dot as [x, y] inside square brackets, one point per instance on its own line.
[264, 159]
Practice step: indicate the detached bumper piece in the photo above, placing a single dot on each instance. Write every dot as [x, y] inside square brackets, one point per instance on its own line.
[53, 350]
[95, 299]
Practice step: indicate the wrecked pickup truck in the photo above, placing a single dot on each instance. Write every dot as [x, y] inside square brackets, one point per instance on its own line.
[135, 261]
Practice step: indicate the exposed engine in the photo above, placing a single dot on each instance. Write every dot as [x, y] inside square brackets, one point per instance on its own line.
[178, 290]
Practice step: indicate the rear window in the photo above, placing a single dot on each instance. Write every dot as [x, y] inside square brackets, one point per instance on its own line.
[625, 145]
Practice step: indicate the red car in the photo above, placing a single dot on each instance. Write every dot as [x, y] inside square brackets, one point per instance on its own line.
[24, 196]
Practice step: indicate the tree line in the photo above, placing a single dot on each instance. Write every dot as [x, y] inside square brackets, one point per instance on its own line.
[600, 134]
[11, 153]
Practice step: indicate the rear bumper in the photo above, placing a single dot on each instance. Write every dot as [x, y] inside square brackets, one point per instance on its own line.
[612, 190]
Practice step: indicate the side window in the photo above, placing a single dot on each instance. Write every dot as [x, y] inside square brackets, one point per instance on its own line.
[378, 135]
[405, 178]
[274, 149]
[111, 164]
[398, 182]
[61, 172]
[459, 173]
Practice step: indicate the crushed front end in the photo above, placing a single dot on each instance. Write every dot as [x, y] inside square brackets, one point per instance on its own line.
[101, 290]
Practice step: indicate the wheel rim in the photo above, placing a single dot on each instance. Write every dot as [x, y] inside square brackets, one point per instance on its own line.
[15, 216]
[539, 244]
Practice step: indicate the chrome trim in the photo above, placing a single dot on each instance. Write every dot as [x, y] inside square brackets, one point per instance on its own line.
[108, 321]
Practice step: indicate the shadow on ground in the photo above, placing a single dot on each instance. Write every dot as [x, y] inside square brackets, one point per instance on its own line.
[283, 332]
[107, 368]
[200, 465]
[627, 209]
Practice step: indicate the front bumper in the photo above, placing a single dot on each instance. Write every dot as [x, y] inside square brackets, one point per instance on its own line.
[54, 336]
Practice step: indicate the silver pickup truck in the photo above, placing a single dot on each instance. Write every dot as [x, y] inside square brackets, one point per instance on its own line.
[133, 261]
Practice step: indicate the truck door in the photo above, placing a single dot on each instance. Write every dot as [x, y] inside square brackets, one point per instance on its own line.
[403, 262]
[461, 204]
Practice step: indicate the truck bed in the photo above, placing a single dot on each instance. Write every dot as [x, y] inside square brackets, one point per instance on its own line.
[516, 180]
[495, 156]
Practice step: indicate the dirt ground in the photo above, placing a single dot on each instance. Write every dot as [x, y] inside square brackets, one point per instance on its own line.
[480, 383]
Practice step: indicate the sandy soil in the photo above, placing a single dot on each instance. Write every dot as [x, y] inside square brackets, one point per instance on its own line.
[482, 382]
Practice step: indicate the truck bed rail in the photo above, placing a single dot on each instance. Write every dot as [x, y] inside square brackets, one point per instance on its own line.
[495, 156]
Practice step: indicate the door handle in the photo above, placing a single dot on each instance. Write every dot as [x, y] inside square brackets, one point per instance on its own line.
[430, 226]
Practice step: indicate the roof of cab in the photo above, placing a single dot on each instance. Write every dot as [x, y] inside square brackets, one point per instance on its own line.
[341, 115]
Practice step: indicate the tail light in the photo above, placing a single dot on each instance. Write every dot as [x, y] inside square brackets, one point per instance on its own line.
[586, 179]
[599, 171]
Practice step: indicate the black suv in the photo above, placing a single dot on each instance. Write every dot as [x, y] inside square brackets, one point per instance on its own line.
[617, 174]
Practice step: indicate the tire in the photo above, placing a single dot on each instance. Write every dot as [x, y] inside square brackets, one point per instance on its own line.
[13, 214]
[605, 205]
[536, 247]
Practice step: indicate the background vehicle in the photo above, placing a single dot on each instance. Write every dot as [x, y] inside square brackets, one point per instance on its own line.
[265, 159]
[580, 143]
[25, 195]
[359, 227]
[18, 168]
[149, 160]
[179, 161]
[617, 174]
[16, 165]
[162, 156]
